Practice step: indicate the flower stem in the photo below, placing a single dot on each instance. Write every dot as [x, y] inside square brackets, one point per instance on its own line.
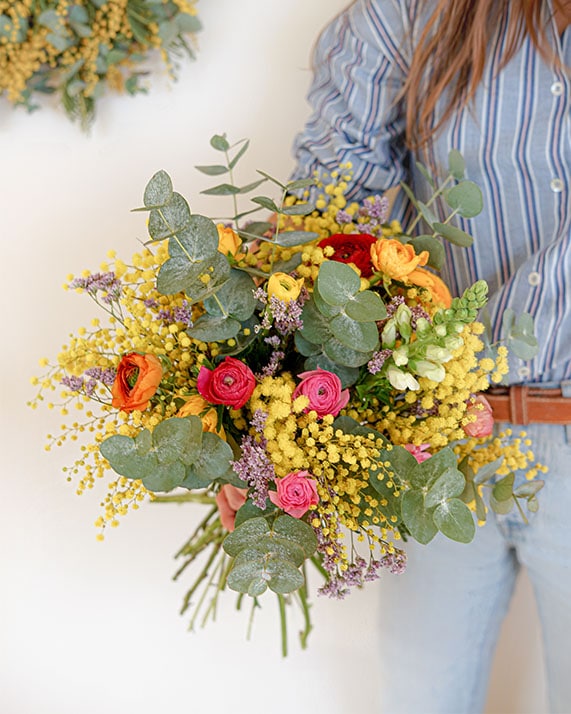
[283, 623]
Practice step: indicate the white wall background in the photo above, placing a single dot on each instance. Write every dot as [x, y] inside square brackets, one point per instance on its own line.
[87, 627]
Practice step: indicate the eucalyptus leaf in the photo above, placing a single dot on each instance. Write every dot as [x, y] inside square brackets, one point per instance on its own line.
[240, 153]
[449, 485]
[529, 488]
[465, 198]
[453, 234]
[287, 239]
[170, 219]
[304, 346]
[417, 518]
[454, 520]
[219, 142]
[214, 329]
[426, 473]
[222, 189]
[359, 336]
[245, 535]
[366, 306]
[456, 164]
[213, 462]
[337, 282]
[433, 246]
[343, 355]
[159, 190]
[234, 299]
[315, 326]
[503, 489]
[213, 170]
[298, 532]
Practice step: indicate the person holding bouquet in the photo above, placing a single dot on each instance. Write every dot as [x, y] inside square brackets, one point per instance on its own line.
[400, 81]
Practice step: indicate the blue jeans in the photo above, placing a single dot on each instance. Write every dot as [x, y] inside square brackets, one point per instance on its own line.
[440, 620]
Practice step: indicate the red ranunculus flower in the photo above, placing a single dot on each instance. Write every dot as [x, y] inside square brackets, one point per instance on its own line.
[138, 377]
[231, 383]
[353, 248]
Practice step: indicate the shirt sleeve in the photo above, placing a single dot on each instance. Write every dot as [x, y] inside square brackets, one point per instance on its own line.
[360, 64]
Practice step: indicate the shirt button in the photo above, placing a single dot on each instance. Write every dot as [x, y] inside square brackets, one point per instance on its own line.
[534, 278]
[557, 89]
[556, 185]
[524, 372]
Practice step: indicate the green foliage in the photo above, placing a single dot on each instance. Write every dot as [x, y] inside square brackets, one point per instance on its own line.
[431, 501]
[81, 56]
[176, 453]
[269, 556]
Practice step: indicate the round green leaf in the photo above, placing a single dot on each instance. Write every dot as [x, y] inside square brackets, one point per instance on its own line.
[366, 306]
[298, 532]
[417, 519]
[360, 336]
[449, 485]
[465, 198]
[337, 282]
[246, 535]
[343, 355]
[455, 520]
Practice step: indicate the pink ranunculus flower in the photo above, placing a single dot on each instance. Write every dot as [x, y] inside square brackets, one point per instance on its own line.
[419, 452]
[483, 425]
[231, 383]
[229, 500]
[296, 493]
[323, 389]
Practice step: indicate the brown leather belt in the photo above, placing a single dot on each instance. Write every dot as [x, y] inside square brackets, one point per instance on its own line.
[529, 405]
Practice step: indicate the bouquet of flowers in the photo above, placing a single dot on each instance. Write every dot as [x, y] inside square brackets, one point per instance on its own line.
[307, 379]
[79, 49]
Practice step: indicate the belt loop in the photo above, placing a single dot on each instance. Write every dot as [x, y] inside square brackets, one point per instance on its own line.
[518, 404]
[566, 392]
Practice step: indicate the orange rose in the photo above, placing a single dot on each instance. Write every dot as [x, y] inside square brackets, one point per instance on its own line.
[435, 285]
[138, 377]
[395, 259]
[229, 501]
[197, 406]
[229, 241]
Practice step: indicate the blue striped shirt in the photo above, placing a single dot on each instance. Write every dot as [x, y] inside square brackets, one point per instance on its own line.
[516, 141]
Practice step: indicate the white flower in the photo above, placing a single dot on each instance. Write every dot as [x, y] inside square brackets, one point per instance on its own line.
[438, 354]
[401, 380]
[400, 355]
[432, 371]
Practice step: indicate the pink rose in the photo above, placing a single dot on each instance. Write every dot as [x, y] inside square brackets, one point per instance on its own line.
[231, 383]
[296, 493]
[323, 389]
[483, 424]
[229, 500]
[419, 452]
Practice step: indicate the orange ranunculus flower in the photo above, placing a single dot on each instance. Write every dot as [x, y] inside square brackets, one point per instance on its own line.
[396, 259]
[195, 406]
[435, 285]
[138, 377]
[229, 241]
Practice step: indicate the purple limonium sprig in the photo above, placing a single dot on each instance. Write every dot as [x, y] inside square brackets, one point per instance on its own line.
[95, 376]
[181, 313]
[108, 283]
[343, 217]
[273, 364]
[394, 562]
[394, 304]
[377, 210]
[255, 468]
[375, 364]
[287, 315]
[415, 314]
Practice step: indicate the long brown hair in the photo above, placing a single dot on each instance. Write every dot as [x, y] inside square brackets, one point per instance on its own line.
[451, 54]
